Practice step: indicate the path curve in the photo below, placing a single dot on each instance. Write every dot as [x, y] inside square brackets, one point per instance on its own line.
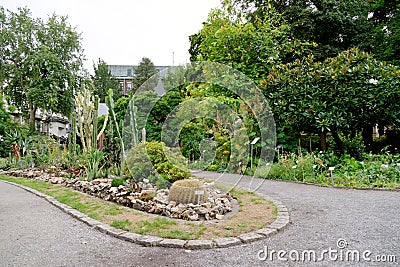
[35, 233]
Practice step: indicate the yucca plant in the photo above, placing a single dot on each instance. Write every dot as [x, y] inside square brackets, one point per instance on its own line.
[92, 167]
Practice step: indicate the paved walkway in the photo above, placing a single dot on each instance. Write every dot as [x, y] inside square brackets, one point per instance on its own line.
[34, 233]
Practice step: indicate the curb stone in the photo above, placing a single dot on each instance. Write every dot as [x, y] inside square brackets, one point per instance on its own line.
[250, 237]
[199, 244]
[227, 242]
[281, 221]
[173, 243]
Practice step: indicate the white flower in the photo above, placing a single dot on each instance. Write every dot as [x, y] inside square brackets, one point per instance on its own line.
[373, 81]
[314, 166]
[331, 168]
[294, 167]
[385, 166]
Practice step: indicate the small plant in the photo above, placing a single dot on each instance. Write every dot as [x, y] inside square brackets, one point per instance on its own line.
[5, 164]
[117, 182]
[92, 167]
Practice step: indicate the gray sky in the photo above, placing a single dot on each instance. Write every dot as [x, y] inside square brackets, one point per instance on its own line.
[124, 31]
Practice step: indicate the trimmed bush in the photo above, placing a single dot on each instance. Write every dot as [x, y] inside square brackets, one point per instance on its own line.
[158, 170]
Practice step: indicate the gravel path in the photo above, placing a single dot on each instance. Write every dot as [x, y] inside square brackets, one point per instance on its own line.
[34, 233]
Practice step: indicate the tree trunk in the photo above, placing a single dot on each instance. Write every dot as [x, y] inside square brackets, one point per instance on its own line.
[367, 136]
[322, 138]
[32, 123]
[338, 141]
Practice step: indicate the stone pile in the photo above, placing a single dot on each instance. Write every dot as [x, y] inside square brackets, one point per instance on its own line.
[149, 199]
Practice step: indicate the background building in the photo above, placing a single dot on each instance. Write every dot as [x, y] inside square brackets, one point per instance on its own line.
[126, 73]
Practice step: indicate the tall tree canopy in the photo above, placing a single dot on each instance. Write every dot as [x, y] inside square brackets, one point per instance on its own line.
[251, 47]
[104, 80]
[321, 88]
[143, 72]
[41, 62]
[346, 94]
[336, 25]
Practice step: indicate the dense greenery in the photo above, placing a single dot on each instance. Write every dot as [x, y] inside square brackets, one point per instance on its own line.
[41, 63]
[371, 171]
[335, 25]
[103, 80]
[152, 161]
[328, 69]
[143, 72]
[347, 94]
[291, 48]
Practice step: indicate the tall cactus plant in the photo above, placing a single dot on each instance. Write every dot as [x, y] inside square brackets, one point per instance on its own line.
[95, 122]
[72, 137]
[114, 122]
[133, 123]
[86, 113]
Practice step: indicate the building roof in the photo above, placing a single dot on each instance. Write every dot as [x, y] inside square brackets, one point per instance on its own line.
[128, 71]
[121, 70]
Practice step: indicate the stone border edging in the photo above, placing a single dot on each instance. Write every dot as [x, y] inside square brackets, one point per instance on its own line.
[281, 221]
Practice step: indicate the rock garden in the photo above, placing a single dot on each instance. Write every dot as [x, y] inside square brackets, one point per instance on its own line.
[178, 202]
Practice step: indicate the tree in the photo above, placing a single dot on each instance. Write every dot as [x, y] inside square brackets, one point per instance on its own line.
[5, 123]
[384, 37]
[143, 72]
[336, 25]
[104, 80]
[251, 47]
[41, 63]
[346, 94]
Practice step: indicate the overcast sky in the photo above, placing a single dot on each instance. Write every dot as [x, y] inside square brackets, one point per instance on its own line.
[123, 31]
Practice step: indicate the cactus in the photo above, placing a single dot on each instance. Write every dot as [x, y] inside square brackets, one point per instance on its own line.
[72, 137]
[144, 135]
[183, 191]
[85, 107]
[114, 122]
[133, 124]
[95, 123]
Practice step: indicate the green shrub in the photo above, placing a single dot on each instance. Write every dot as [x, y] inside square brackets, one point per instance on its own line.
[213, 167]
[117, 182]
[139, 167]
[5, 164]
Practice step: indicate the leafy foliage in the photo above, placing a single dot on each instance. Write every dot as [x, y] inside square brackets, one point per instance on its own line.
[349, 93]
[251, 47]
[103, 80]
[143, 72]
[150, 160]
[41, 62]
[335, 25]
